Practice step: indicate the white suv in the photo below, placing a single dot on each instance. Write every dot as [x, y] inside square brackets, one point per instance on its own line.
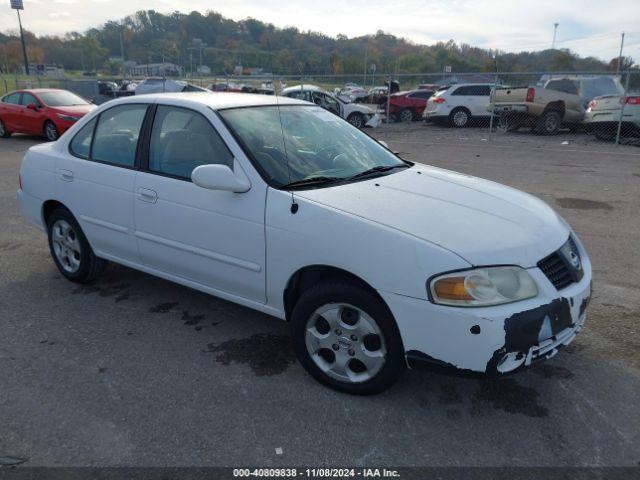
[458, 105]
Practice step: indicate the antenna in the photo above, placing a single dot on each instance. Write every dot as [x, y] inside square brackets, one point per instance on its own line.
[294, 205]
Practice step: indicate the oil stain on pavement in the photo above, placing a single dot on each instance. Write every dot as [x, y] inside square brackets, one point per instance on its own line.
[582, 204]
[265, 353]
[508, 395]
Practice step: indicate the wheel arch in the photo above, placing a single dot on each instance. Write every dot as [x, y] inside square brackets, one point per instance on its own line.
[558, 106]
[310, 275]
[48, 208]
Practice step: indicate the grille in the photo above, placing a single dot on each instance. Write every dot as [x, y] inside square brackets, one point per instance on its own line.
[556, 270]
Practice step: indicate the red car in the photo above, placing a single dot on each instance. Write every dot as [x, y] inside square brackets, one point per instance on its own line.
[41, 111]
[407, 106]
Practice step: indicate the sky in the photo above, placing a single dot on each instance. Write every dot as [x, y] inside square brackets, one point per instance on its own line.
[587, 27]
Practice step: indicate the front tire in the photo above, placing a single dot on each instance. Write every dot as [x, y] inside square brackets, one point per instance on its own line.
[51, 131]
[4, 133]
[356, 119]
[70, 249]
[346, 338]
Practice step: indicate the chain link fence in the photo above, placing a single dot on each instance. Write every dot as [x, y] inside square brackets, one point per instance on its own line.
[581, 106]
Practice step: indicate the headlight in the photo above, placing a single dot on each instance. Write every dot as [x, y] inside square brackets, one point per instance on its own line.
[68, 118]
[482, 287]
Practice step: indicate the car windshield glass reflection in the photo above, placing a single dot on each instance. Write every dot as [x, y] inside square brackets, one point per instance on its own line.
[62, 99]
[315, 142]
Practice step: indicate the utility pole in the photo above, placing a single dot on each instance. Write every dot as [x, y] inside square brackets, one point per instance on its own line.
[555, 31]
[620, 55]
[364, 71]
[17, 6]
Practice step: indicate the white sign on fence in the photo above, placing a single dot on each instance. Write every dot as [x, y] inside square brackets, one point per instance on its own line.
[17, 5]
[447, 69]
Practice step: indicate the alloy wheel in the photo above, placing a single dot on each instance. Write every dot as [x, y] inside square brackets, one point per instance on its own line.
[356, 121]
[406, 116]
[51, 132]
[345, 343]
[460, 118]
[66, 246]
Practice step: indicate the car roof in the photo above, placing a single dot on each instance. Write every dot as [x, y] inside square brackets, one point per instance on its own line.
[305, 87]
[214, 100]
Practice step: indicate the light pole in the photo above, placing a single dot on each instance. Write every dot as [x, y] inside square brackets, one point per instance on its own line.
[17, 6]
[555, 30]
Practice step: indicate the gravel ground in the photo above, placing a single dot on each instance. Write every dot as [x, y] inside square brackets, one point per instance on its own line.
[137, 371]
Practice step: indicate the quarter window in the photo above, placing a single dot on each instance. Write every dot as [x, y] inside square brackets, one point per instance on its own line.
[182, 140]
[13, 98]
[116, 137]
[81, 144]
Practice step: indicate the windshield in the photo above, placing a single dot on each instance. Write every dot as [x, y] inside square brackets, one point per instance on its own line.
[62, 99]
[316, 143]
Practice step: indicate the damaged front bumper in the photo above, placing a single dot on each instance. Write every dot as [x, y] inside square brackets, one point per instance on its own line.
[492, 340]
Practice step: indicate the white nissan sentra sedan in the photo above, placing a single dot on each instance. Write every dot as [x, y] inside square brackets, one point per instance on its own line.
[276, 204]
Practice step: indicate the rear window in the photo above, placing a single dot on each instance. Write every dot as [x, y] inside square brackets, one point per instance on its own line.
[564, 85]
[424, 94]
[597, 87]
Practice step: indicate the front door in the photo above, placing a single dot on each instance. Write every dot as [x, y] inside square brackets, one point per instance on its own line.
[213, 238]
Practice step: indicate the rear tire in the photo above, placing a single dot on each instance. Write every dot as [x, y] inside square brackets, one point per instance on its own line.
[336, 324]
[70, 249]
[460, 117]
[51, 131]
[406, 115]
[549, 123]
[4, 133]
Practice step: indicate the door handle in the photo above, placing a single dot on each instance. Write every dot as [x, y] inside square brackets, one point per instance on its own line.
[66, 175]
[147, 195]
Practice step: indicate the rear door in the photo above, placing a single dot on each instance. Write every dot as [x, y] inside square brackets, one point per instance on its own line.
[95, 180]
[9, 111]
[210, 237]
[480, 100]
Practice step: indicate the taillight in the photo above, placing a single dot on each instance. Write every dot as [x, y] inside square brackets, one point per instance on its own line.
[438, 100]
[633, 101]
[531, 94]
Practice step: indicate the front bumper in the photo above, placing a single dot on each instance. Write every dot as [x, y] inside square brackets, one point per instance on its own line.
[374, 121]
[492, 340]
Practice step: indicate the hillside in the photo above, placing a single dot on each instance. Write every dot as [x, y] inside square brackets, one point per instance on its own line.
[149, 36]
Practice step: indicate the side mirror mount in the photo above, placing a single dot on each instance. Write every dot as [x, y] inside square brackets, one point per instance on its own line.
[219, 177]
[32, 106]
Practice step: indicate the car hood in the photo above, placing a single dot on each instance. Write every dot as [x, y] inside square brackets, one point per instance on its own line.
[484, 222]
[75, 110]
[354, 107]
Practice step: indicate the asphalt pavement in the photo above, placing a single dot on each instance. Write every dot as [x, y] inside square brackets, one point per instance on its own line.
[137, 371]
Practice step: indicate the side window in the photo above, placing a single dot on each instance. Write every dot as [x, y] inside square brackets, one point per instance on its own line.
[12, 98]
[483, 90]
[424, 94]
[116, 137]
[182, 140]
[27, 99]
[80, 146]
[461, 91]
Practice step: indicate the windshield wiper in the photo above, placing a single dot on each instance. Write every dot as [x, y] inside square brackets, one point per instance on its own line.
[311, 181]
[378, 170]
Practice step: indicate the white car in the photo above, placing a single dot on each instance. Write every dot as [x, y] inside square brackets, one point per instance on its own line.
[278, 205]
[459, 105]
[163, 85]
[357, 115]
[603, 116]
